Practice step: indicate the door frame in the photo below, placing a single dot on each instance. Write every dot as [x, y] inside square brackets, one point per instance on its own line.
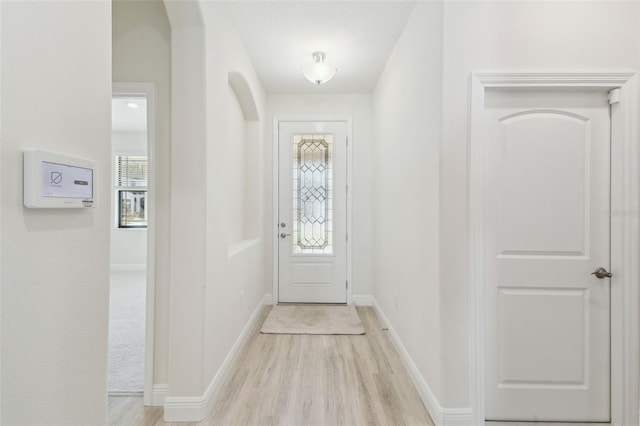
[147, 90]
[275, 193]
[625, 242]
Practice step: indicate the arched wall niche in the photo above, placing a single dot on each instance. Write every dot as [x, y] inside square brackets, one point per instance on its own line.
[244, 95]
[243, 165]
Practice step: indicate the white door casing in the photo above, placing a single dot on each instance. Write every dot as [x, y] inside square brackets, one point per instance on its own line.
[147, 90]
[312, 212]
[625, 193]
[547, 228]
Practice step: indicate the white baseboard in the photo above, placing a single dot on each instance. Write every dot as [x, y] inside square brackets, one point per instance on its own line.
[362, 299]
[457, 417]
[268, 299]
[159, 393]
[186, 408]
[441, 416]
[195, 408]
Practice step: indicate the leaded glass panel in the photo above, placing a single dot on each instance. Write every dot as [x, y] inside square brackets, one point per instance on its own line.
[312, 194]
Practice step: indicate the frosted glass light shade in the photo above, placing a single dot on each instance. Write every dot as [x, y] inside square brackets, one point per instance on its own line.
[318, 72]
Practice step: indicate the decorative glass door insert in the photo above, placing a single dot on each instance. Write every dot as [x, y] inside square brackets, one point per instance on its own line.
[312, 224]
[312, 212]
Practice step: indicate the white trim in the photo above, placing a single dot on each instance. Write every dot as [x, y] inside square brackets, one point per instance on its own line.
[147, 90]
[195, 408]
[275, 200]
[349, 210]
[160, 392]
[441, 416]
[275, 210]
[625, 251]
[554, 79]
[362, 299]
[457, 417]
[428, 398]
[186, 408]
[268, 299]
[128, 267]
[625, 243]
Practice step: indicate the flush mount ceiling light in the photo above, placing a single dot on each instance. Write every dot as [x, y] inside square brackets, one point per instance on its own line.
[132, 105]
[319, 71]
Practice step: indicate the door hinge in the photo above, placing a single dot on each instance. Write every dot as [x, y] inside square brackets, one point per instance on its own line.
[346, 237]
[614, 96]
[347, 189]
[347, 141]
[347, 284]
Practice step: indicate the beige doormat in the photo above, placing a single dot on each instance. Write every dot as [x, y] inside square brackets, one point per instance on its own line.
[313, 319]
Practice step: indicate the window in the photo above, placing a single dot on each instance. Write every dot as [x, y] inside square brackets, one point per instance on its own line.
[131, 190]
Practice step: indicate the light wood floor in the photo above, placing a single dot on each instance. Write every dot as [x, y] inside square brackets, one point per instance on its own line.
[306, 380]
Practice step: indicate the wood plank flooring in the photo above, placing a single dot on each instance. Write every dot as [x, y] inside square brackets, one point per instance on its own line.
[293, 380]
[128, 410]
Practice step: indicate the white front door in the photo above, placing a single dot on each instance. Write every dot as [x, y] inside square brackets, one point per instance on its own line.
[312, 223]
[547, 345]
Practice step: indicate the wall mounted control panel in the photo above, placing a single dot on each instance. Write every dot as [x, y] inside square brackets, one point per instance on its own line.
[54, 180]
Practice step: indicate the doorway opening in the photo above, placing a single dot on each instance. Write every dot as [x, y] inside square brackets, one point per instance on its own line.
[131, 304]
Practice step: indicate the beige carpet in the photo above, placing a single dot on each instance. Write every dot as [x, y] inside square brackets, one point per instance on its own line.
[313, 319]
[128, 296]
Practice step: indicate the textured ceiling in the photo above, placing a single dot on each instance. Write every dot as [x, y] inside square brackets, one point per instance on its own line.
[357, 36]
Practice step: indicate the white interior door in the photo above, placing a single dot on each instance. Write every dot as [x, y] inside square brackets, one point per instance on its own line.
[547, 229]
[312, 224]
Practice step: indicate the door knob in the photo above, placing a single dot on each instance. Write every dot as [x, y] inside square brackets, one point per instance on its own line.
[283, 235]
[601, 273]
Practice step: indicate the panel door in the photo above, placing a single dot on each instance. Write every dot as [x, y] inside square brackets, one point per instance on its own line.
[312, 208]
[547, 229]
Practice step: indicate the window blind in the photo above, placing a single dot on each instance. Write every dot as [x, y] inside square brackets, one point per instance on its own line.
[131, 171]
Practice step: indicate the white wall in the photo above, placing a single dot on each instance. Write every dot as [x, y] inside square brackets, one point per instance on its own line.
[506, 36]
[360, 109]
[405, 200]
[427, 266]
[237, 167]
[128, 246]
[189, 252]
[234, 284]
[56, 95]
[213, 291]
[130, 143]
[142, 53]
